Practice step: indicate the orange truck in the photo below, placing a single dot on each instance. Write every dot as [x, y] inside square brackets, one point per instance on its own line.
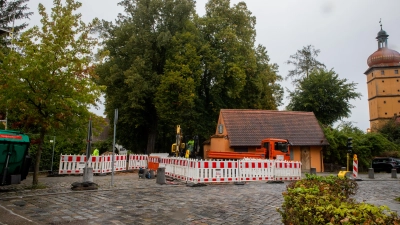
[271, 148]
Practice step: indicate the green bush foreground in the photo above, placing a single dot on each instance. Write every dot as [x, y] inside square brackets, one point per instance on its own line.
[325, 200]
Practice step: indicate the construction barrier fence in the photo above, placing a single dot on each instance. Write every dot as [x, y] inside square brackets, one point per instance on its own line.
[74, 164]
[193, 170]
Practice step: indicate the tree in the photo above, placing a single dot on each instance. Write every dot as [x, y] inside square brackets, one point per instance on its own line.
[137, 48]
[365, 145]
[325, 94]
[304, 62]
[49, 81]
[9, 13]
[167, 66]
[391, 130]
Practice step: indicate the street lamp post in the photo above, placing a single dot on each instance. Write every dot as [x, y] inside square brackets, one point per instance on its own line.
[52, 155]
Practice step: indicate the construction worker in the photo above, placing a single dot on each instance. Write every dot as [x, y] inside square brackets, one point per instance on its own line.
[190, 148]
[95, 152]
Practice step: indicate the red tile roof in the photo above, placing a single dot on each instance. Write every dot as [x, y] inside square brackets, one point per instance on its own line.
[248, 127]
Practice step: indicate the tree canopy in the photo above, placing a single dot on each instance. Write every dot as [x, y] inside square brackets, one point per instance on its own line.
[10, 12]
[325, 94]
[304, 62]
[48, 79]
[164, 65]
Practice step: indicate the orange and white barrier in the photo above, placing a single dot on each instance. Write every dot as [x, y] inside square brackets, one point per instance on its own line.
[212, 171]
[199, 171]
[137, 161]
[74, 164]
[119, 163]
[355, 166]
[253, 170]
[287, 170]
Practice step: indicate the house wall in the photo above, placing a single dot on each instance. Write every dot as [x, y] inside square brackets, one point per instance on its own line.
[315, 157]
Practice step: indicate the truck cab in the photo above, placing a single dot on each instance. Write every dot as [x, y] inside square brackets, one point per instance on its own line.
[275, 149]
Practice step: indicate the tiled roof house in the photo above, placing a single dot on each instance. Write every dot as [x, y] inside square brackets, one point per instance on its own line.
[243, 129]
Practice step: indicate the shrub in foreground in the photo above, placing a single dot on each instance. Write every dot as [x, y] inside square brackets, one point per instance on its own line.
[325, 200]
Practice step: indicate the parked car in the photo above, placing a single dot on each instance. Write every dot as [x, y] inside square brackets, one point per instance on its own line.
[385, 164]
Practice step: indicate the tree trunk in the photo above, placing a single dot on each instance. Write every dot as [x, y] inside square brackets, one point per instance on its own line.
[37, 161]
[152, 135]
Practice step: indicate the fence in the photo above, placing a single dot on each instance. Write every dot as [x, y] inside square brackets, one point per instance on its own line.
[74, 164]
[197, 171]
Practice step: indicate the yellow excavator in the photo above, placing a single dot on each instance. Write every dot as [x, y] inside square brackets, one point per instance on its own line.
[184, 147]
[178, 147]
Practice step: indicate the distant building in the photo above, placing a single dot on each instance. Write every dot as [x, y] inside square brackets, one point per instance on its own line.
[383, 81]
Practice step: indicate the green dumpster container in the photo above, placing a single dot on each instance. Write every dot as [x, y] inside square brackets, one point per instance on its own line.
[14, 158]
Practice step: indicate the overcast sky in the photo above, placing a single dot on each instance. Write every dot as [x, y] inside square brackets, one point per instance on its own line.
[343, 30]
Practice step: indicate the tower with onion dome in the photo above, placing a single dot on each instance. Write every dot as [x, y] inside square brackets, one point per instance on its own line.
[383, 81]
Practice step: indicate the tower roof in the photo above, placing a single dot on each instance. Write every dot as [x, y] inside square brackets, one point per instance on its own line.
[383, 56]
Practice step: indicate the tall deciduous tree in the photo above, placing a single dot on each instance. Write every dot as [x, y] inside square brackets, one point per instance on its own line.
[49, 81]
[304, 62]
[167, 66]
[325, 94]
[138, 48]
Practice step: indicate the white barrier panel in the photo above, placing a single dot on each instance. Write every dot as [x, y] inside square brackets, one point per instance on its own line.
[287, 170]
[72, 164]
[213, 171]
[137, 161]
[96, 162]
[231, 171]
[254, 170]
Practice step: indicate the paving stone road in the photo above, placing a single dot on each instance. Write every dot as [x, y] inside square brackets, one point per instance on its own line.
[141, 201]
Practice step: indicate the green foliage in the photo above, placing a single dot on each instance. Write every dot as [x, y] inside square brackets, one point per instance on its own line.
[325, 94]
[391, 130]
[164, 65]
[48, 80]
[11, 12]
[304, 62]
[325, 200]
[62, 146]
[365, 145]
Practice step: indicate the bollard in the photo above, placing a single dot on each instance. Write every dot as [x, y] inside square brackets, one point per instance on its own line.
[371, 173]
[161, 175]
[152, 175]
[394, 173]
[313, 171]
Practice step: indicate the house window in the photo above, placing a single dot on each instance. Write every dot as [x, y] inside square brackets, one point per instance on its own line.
[382, 72]
[220, 128]
[384, 102]
[383, 81]
[385, 113]
[396, 71]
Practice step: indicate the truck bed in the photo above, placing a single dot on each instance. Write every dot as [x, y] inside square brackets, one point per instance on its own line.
[235, 155]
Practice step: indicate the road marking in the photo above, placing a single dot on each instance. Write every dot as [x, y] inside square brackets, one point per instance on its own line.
[11, 212]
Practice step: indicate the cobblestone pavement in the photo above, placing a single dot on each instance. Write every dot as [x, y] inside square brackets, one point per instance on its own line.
[141, 201]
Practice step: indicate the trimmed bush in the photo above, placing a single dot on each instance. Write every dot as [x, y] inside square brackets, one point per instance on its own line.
[325, 200]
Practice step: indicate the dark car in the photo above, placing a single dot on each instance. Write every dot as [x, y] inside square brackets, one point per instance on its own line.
[385, 164]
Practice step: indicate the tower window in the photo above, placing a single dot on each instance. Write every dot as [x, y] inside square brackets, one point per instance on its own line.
[384, 102]
[396, 71]
[382, 72]
[383, 90]
[383, 81]
[385, 113]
